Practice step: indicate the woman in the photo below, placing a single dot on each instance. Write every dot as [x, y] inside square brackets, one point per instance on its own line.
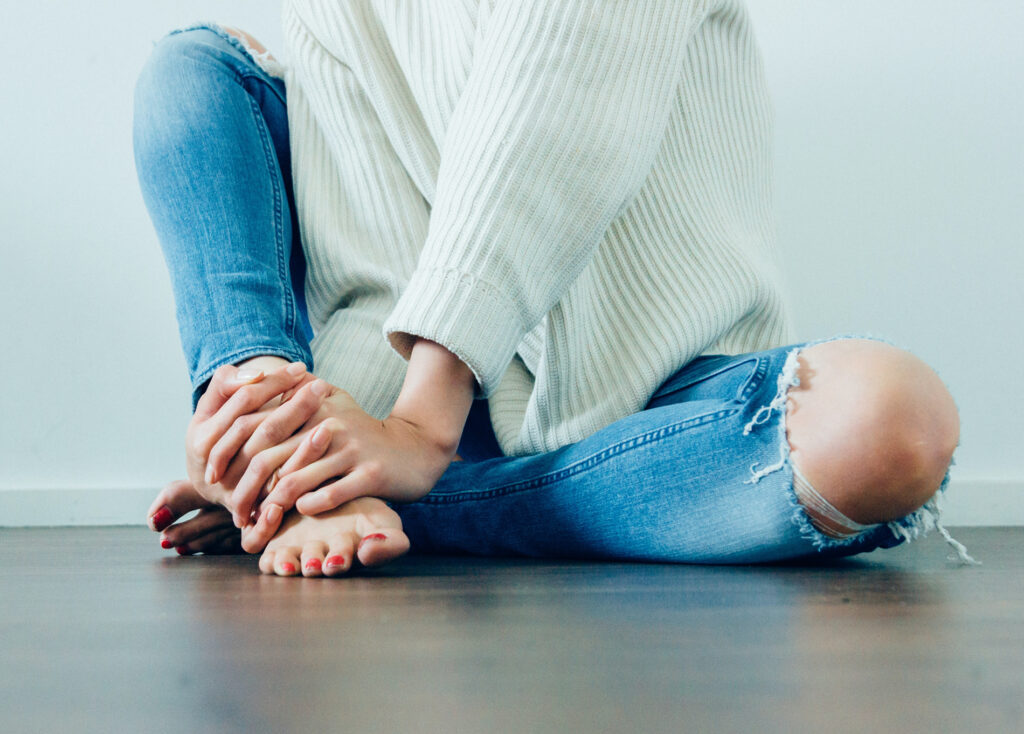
[538, 270]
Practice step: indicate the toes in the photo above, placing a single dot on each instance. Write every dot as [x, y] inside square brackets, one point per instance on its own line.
[195, 531]
[267, 561]
[312, 559]
[174, 500]
[286, 561]
[218, 542]
[340, 553]
[222, 543]
[381, 546]
[362, 533]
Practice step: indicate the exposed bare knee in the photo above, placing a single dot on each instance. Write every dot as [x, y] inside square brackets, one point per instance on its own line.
[248, 40]
[871, 427]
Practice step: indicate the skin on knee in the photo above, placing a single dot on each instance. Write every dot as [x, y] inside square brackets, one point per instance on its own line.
[247, 40]
[871, 427]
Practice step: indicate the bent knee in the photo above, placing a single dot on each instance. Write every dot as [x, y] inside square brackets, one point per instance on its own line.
[178, 48]
[186, 76]
[872, 428]
[181, 62]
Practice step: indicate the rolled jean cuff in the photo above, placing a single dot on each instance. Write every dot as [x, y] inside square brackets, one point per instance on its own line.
[202, 378]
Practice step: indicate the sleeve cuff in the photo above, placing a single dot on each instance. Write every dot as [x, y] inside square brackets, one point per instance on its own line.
[468, 316]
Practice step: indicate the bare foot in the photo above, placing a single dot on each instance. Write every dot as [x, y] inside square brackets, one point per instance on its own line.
[211, 531]
[364, 530]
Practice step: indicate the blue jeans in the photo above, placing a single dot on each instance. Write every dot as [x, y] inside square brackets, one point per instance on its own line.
[701, 475]
[212, 155]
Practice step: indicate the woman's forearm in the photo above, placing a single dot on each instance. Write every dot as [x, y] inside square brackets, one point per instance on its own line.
[437, 394]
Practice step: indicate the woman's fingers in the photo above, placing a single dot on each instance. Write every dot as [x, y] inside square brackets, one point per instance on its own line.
[257, 474]
[225, 382]
[291, 487]
[247, 399]
[363, 481]
[289, 417]
[275, 427]
[313, 447]
[255, 537]
[229, 444]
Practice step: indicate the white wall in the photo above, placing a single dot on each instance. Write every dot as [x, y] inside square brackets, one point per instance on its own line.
[899, 186]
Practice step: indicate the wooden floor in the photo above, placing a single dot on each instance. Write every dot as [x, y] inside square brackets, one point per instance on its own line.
[101, 631]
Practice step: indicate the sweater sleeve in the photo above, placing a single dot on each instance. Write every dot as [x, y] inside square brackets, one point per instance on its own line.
[555, 131]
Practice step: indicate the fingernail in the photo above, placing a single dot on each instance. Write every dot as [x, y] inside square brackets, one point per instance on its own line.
[183, 550]
[166, 544]
[273, 514]
[320, 437]
[287, 568]
[295, 369]
[162, 518]
[247, 375]
[319, 388]
[336, 561]
[209, 474]
[313, 564]
[375, 536]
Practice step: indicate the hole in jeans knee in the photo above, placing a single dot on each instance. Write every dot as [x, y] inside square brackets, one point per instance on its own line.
[824, 516]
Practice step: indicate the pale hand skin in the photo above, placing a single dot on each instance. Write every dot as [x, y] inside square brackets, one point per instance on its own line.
[323, 432]
[343, 453]
[242, 396]
[214, 408]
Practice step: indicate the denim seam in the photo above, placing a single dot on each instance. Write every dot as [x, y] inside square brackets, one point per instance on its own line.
[752, 383]
[755, 381]
[273, 167]
[580, 466]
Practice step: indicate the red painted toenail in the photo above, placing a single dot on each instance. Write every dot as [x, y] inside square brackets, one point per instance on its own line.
[375, 536]
[313, 564]
[287, 568]
[183, 550]
[335, 561]
[162, 518]
[166, 544]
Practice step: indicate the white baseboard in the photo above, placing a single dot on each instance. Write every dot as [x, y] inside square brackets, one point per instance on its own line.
[968, 503]
[973, 502]
[62, 507]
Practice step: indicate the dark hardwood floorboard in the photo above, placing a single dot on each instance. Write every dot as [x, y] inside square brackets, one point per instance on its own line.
[101, 631]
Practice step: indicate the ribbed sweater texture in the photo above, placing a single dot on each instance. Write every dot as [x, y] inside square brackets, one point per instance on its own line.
[573, 196]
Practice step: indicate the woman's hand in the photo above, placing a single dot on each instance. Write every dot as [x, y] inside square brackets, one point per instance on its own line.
[235, 404]
[342, 454]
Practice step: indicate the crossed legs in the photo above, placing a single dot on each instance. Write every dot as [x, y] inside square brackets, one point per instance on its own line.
[870, 427]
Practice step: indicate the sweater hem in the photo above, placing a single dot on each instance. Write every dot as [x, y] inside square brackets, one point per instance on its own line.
[465, 314]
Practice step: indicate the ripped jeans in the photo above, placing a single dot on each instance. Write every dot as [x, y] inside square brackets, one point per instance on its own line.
[701, 475]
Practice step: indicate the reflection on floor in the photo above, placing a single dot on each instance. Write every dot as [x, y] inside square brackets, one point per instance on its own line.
[100, 630]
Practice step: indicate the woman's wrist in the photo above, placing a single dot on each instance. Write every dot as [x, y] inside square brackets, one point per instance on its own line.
[436, 395]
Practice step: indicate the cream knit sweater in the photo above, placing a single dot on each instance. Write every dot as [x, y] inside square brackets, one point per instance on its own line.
[573, 196]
